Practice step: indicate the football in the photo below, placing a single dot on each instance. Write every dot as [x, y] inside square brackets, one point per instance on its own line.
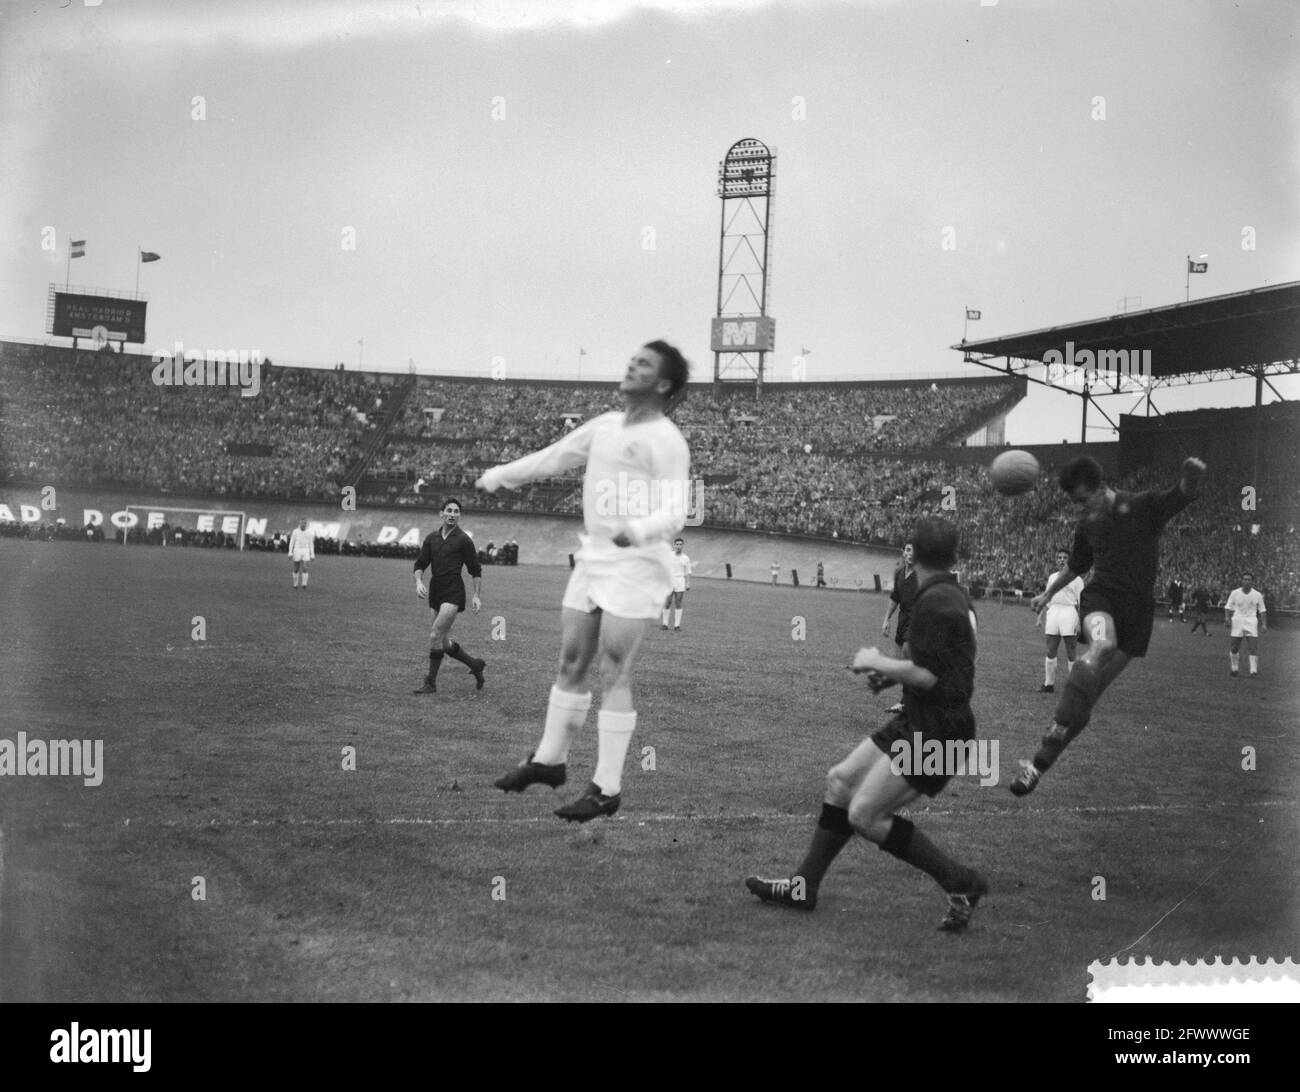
[1014, 472]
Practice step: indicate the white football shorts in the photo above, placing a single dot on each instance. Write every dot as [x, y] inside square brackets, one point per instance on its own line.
[1061, 622]
[301, 555]
[1245, 627]
[632, 586]
[679, 583]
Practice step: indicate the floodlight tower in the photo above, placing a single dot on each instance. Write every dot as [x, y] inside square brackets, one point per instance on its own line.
[743, 332]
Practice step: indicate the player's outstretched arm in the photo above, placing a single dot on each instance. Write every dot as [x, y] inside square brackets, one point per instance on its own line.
[672, 468]
[566, 453]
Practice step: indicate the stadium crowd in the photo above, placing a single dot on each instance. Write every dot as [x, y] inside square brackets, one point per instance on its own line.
[827, 462]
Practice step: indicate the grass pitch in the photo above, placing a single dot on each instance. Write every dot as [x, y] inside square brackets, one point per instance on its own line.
[224, 761]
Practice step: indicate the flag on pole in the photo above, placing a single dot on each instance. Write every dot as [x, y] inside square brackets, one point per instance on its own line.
[149, 256]
[973, 316]
[1197, 267]
[78, 248]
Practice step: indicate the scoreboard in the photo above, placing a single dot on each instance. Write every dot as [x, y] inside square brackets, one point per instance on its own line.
[743, 334]
[77, 314]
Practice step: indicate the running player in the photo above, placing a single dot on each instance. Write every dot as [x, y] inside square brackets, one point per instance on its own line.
[634, 499]
[901, 599]
[443, 553]
[302, 549]
[1118, 537]
[1244, 614]
[865, 791]
[1061, 622]
[680, 565]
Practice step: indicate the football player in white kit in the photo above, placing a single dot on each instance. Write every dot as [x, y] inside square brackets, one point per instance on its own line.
[1061, 622]
[634, 501]
[681, 570]
[302, 549]
[1244, 614]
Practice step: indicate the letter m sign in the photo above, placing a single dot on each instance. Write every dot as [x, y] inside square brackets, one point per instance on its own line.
[743, 334]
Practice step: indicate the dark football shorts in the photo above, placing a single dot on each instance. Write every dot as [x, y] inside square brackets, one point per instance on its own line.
[904, 626]
[448, 593]
[931, 727]
[1134, 617]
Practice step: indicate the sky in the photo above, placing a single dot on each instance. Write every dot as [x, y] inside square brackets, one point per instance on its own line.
[467, 185]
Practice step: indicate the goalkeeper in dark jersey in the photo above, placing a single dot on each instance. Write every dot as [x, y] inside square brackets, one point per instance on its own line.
[1118, 538]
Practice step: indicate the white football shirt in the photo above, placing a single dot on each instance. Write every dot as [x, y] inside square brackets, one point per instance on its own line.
[1068, 596]
[1245, 607]
[638, 480]
[680, 565]
[304, 541]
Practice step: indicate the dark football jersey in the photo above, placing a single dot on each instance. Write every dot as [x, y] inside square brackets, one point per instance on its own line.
[904, 593]
[1122, 546]
[942, 641]
[444, 557]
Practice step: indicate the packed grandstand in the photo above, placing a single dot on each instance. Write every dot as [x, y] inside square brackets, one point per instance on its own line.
[849, 461]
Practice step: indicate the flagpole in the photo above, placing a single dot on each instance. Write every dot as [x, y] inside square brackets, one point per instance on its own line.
[965, 322]
[138, 251]
[1187, 295]
[67, 269]
[579, 365]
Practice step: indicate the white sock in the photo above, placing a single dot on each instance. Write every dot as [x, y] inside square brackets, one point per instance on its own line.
[1254, 664]
[677, 620]
[295, 580]
[304, 580]
[1069, 666]
[665, 615]
[1049, 671]
[1235, 659]
[565, 715]
[615, 734]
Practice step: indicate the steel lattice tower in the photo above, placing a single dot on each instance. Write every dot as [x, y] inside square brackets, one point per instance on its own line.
[743, 332]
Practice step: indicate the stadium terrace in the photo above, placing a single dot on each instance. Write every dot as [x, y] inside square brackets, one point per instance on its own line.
[215, 368]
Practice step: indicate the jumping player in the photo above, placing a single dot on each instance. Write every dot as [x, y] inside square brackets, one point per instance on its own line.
[864, 792]
[1061, 622]
[1118, 537]
[634, 499]
[443, 553]
[302, 549]
[1244, 615]
[900, 599]
[680, 565]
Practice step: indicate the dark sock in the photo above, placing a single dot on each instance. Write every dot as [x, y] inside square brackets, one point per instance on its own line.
[908, 844]
[1080, 695]
[458, 653]
[435, 662]
[832, 834]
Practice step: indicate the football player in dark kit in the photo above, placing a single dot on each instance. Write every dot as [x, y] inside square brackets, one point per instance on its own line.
[865, 791]
[443, 553]
[1118, 538]
[901, 599]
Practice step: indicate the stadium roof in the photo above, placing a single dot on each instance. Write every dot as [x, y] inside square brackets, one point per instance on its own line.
[1216, 338]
